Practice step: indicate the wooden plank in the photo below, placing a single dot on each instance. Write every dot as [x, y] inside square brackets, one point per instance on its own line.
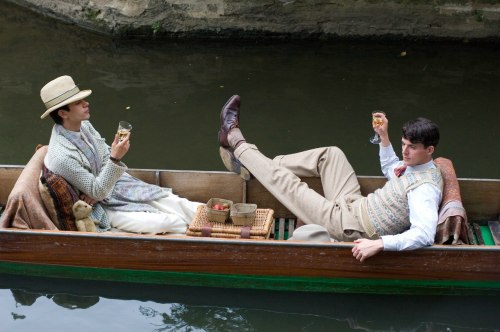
[148, 176]
[479, 234]
[201, 186]
[245, 257]
[369, 184]
[480, 198]
[470, 236]
[291, 227]
[495, 231]
[8, 177]
[257, 194]
[281, 229]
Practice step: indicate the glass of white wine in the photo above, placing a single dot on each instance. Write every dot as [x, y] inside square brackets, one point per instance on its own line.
[376, 121]
[124, 129]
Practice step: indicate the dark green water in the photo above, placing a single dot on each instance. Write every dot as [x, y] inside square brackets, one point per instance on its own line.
[58, 305]
[295, 95]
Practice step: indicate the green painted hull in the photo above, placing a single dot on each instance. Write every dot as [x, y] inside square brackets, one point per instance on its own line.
[275, 283]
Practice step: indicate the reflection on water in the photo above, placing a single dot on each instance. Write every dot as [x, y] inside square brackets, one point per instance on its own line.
[180, 317]
[68, 301]
[75, 304]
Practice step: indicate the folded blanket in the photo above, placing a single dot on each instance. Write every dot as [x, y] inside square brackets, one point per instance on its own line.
[452, 222]
[24, 207]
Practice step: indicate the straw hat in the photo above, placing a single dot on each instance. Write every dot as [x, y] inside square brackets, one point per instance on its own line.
[311, 232]
[59, 92]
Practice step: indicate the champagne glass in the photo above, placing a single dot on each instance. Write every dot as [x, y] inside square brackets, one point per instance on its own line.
[376, 121]
[124, 129]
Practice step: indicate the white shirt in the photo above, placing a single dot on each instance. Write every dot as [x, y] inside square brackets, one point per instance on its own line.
[423, 202]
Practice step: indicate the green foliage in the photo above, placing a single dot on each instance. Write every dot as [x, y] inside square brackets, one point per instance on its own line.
[156, 27]
[478, 15]
[91, 14]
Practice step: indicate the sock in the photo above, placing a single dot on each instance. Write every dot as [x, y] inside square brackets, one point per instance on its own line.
[235, 138]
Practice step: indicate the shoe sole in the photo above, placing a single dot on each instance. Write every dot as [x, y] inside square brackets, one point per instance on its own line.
[224, 143]
[233, 165]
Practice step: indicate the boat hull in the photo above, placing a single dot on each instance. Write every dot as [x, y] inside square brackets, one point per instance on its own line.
[251, 264]
[274, 264]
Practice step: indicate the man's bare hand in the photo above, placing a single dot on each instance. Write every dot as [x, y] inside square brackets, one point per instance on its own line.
[120, 149]
[382, 129]
[365, 248]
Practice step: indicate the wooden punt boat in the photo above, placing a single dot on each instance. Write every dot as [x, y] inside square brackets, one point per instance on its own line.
[272, 264]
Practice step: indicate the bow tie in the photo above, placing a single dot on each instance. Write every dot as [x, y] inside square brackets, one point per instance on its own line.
[400, 170]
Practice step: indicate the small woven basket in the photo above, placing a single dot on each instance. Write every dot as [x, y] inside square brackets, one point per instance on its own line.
[260, 229]
[243, 214]
[218, 215]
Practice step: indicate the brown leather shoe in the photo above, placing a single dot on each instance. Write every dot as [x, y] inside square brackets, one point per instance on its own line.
[229, 118]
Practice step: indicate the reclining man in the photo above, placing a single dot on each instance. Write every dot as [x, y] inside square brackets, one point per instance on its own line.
[79, 154]
[402, 215]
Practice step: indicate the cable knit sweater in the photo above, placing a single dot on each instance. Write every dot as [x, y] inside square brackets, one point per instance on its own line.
[107, 183]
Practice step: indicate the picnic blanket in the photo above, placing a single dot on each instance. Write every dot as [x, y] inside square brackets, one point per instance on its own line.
[24, 207]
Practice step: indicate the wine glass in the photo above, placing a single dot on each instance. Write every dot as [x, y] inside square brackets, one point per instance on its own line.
[376, 121]
[123, 129]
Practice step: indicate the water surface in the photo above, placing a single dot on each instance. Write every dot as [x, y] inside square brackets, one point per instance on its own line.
[82, 306]
[295, 95]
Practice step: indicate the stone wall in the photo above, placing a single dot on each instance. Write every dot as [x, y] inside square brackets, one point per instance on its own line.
[280, 18]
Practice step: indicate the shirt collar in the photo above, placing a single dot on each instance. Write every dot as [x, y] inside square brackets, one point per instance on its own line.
[422, 167]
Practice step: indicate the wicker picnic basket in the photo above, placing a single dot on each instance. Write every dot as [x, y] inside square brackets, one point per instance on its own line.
[260, 229]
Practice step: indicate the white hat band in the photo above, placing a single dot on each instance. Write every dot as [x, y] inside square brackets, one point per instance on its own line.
[61, 98]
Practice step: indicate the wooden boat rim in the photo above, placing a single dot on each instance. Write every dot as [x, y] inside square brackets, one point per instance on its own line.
[225, 172]
[210, 240]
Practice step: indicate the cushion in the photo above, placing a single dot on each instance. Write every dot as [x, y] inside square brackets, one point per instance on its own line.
[58, 197]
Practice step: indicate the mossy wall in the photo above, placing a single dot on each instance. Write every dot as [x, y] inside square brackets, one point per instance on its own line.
[280, 18]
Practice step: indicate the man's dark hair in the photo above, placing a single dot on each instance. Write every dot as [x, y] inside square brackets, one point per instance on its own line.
[55, 116]
[421, 130]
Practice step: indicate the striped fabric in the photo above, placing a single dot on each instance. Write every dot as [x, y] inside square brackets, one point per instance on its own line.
[63, 197]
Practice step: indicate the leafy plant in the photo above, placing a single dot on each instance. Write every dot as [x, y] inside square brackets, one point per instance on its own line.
[156, 27]
[478, 15]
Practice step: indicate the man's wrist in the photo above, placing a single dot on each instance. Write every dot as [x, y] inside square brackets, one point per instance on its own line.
[113, 159]
[385, 141]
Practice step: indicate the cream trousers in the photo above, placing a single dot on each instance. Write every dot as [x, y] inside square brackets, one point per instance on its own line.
[339, 210]
[175, 215]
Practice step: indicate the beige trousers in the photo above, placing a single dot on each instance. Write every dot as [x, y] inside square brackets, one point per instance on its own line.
[339, 210]
[176, 213]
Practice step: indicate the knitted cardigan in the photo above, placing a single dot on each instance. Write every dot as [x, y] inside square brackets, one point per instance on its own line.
[112, 186]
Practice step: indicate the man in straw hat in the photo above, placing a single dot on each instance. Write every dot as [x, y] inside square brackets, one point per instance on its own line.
[80, 155]
[400, 216]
